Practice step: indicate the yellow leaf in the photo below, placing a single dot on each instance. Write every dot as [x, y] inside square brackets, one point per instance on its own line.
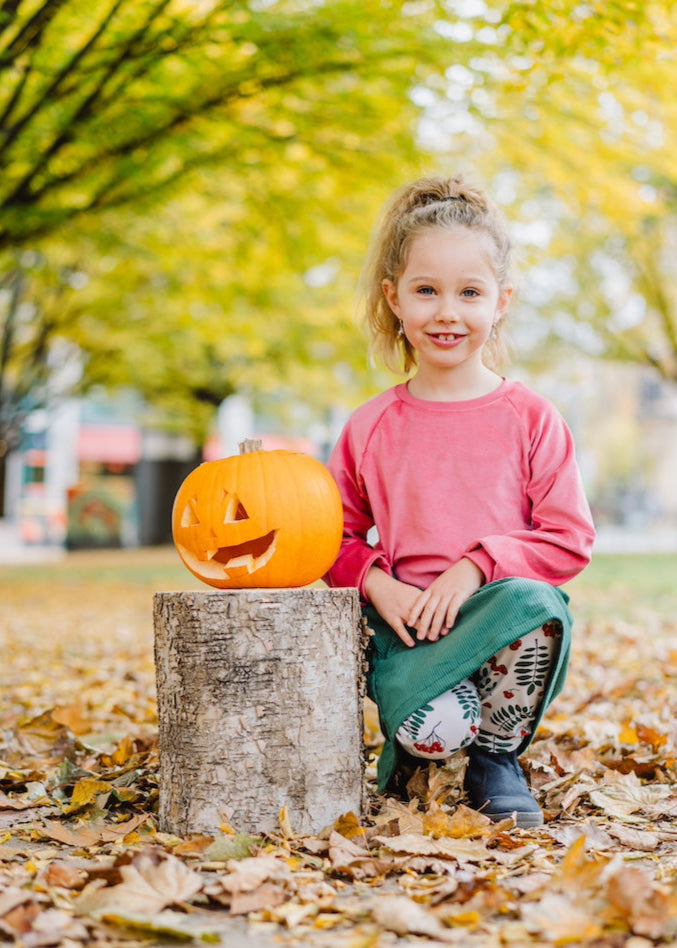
[470, 919]
[85, 792]
[628, 735]
[71, 717]
[348, 825]
[123, 751]
[285, 825]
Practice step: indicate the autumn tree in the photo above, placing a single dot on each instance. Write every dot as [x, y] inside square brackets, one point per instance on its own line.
[569, 109]
[107, 108]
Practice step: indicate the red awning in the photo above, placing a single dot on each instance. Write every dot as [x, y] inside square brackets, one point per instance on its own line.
[112, 444]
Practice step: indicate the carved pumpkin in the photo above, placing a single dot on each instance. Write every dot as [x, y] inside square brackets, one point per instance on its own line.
[260, 519]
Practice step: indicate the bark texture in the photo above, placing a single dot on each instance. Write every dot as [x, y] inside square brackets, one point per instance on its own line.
[259, 707]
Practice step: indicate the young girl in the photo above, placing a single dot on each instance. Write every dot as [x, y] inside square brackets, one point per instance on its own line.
[471, 483]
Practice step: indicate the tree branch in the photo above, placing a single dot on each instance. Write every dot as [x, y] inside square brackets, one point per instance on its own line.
[31, 32]
[51, 91]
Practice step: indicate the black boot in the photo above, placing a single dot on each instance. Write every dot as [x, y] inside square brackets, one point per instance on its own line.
[495, 784]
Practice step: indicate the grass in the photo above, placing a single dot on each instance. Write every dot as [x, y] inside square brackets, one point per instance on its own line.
[615, 587]
[626, 588]
[155, 567]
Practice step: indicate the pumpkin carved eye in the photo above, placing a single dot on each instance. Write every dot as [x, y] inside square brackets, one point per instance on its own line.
[234, 509]
[189, 518]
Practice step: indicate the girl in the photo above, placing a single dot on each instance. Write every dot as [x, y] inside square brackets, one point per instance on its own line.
[471, 483]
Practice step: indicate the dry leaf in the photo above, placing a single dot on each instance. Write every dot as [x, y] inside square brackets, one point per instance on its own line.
[622, 795]
[266, 896]
[78, 835]
[349, 826]
[648, 908]
[462, 850]
[11, 897]
[248, 874]
[148, 886]
[636, 839]
[408, 817]
[85, 792]
[61, 875]
[397, 913]
[562, 920]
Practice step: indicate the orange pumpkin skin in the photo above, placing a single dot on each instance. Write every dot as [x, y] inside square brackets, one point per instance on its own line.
[264, 519]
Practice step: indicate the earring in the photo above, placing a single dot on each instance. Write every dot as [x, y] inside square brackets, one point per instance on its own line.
[494, 333]
[400, 331]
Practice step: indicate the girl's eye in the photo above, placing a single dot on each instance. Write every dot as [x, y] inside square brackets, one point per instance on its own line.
[426, 290]
[470, 292]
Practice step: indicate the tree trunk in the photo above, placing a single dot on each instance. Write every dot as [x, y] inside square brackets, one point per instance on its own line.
[259, 707]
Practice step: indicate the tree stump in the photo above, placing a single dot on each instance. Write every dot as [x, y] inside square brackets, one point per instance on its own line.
[259, 708]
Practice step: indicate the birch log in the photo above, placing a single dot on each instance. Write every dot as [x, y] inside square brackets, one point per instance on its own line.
[259, 707]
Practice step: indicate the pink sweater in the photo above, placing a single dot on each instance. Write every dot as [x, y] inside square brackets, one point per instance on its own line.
[493, 479]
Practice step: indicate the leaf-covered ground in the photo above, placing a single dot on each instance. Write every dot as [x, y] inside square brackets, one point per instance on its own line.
[82, 860]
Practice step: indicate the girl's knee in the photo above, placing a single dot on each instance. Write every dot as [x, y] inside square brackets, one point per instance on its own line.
[443, 726]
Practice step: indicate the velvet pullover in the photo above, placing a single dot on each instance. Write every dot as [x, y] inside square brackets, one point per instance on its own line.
[493, 479]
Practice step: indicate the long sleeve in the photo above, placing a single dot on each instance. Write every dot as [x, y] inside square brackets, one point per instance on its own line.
[356, 555]
[558, 543]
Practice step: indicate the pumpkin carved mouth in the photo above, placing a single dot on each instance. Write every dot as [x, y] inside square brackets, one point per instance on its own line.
[243, 557]
[251, 555]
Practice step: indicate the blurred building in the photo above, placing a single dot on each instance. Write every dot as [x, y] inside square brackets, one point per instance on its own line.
[624, 420]
[86, 475]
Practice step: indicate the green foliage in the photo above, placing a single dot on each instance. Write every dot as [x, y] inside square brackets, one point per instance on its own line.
[192, 162]
[104, 104]
[578, 114]
[187, 189]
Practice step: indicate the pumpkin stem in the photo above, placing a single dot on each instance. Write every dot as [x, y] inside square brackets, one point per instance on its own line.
[250, 445]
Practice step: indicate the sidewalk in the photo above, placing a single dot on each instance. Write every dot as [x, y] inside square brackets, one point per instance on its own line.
[621, 540]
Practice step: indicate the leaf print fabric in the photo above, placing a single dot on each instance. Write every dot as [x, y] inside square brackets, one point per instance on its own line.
[496, 708]
[445, 725]
[511, 699]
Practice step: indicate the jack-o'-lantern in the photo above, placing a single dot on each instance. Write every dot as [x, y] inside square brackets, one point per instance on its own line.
[267, 519]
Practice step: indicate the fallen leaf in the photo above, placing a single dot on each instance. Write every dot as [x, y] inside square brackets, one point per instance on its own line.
[637, 839]
[561, 919]
[11, 897]
[249, 874]
[148, 886]
[397, 913]
[462, 850]
[80, 836]
[267, 896]
[622, 795]
[648, 908]
[85, 792]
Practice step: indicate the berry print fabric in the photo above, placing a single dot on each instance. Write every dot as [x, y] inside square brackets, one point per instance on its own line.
[403, 680]
[496, 707]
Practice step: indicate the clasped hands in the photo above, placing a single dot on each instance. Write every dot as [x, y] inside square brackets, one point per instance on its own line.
[430, 612]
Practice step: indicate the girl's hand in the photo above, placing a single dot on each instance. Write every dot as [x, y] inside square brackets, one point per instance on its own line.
[434, 610]
[392, 600]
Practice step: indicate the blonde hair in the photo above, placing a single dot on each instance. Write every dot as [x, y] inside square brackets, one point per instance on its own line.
[427, 202]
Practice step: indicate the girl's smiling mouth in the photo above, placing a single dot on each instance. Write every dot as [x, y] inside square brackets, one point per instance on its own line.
[446, 338]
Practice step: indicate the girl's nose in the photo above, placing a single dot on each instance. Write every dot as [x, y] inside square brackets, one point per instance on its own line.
[446, 312]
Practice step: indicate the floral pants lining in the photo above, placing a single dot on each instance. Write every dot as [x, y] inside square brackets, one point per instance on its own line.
[495, 707]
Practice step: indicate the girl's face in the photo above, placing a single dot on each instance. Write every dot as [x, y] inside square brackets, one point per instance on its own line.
[447, 297]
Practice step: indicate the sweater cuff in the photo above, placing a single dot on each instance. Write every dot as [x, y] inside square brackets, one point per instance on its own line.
[479, 556]
[377, 560]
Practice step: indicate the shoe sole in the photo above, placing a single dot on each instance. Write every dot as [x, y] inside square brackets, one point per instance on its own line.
[522, 820]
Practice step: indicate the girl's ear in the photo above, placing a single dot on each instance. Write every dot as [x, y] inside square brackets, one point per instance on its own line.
[390, 293]
[503, 302]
